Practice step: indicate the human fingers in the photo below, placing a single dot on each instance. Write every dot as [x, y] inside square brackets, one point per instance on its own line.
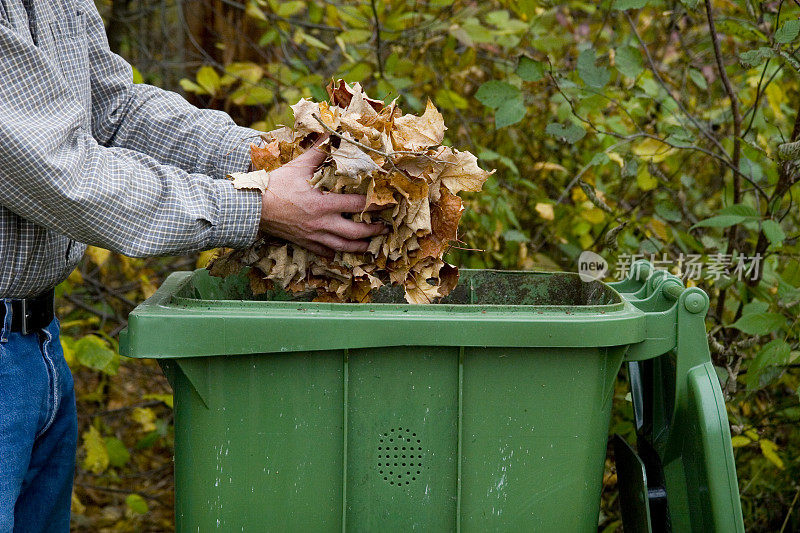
[353, 230]
[313, 157]
[340, 244]
[377, 207]
[317, 248]
[322, 138]
[344, 203]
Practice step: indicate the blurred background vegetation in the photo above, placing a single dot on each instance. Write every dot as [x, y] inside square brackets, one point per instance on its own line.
[664, 128]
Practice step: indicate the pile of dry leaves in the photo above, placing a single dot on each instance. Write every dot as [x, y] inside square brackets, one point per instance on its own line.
[397, 161]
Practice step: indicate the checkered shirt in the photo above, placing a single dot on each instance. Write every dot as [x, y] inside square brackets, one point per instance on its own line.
[87, 157]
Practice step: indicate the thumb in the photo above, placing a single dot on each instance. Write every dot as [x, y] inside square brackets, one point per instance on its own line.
[314, 156]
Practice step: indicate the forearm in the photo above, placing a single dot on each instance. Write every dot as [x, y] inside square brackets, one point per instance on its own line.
[165, 126]
[55, 174]
[123, 200]
[156, 122]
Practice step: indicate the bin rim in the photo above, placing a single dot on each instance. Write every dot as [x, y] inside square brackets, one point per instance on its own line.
[165, 326]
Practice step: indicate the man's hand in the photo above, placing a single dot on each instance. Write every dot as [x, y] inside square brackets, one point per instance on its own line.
[293, 210]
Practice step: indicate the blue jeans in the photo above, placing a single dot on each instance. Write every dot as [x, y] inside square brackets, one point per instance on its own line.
[38, 431]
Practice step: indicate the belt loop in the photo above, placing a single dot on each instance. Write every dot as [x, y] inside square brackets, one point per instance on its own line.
[6, 321]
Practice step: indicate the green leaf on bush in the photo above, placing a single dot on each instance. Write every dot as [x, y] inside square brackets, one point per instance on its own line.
[788, 31]
[759, 323]
[495, 93]
[729, 216]
[570, 133]
[136, 504]
[356, 36]
[147, 441]
[118, 454]
[510, 112]
[630, 4]
[720, 221]
[753, 58]
[514, 235]
[740, 210]
[668, 211]
[628, 61]
[590, 73]
[250, 95]
[92, 351]
[698, 79]
[774, 353]
[289, 9]
[756, 306]
[530, 70]
[773, 231]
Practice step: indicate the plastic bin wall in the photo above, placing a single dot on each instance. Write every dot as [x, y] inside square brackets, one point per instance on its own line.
[489, 411]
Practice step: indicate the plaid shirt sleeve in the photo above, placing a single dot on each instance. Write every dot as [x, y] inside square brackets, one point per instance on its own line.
[159, 123]
[126, 168]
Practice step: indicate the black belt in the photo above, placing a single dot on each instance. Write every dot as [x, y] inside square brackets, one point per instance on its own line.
[30, 314]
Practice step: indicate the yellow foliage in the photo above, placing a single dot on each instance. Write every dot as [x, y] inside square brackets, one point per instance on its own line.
[595, 215]
[660, 229]
[75, 277]
[204, 257]
[740, 440]
[578, 196]
[655, 150]
[774, 98]
[76, 506]
[98, 256]
[545, 211]
[96, 452]
[546, 165]
[768, 449]
[615, 157]
[69, 353]
[145, 417]
[644, 180]
[165, 398]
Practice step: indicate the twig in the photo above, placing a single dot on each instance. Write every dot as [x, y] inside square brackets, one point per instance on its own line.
[789, 513]
[378, 51]
[121, 410]
[86, 307]
[664, 85]
[642, 134]
[120, 491]
[110, 291]
[737, 117]
[387, 155]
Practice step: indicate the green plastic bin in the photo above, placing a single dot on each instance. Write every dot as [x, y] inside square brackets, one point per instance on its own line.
[486, 412]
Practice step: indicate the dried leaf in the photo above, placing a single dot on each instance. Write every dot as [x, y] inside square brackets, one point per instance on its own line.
[417, 187]
[463, 172]
[351, 160]
[267, 157]
[414, 133]
[304, 121]
[258, 179]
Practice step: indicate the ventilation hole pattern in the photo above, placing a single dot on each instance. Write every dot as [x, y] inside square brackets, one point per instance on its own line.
[399, 456]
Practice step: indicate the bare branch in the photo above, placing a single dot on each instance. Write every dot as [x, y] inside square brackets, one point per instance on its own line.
[666, 88]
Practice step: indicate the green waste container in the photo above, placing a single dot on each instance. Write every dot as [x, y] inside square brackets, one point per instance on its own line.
[486, 412]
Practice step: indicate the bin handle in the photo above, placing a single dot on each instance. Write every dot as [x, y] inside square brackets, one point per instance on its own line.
[672, 288]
